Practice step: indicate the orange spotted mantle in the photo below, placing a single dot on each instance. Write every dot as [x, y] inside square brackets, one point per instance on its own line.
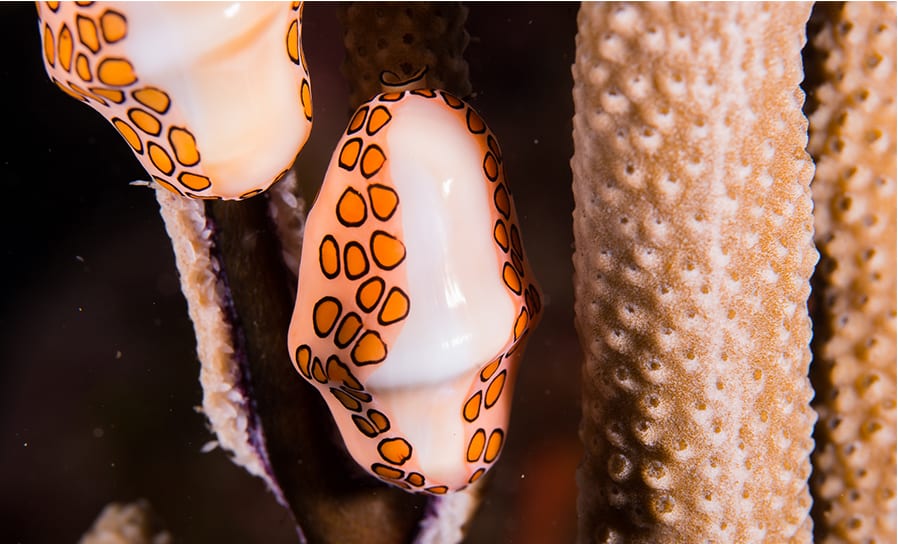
[414, 234]
[214, 103]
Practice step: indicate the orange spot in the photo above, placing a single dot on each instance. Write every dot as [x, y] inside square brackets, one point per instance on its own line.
[69, 92]
[500, 197]
[518, 264]
[501, 235]
[113, 25]
[490, 167]
[295, 5]
[49, 46]
[279, 177]
[475, 123]
[202, 197]
[380, 421]
[426, 93]
[87, 33]
[415, 479]
[302, 359]
[395, 308]
[489, 370]
[160, 159]
[337, 371]
[305, 96]
[494, 147]
[184, 145]
[65, 48]
[520, 324]
[472, 408]
[380, 116]
[369, 294]
[293, 42]
[366, 428]
[451, 101]
[145, 121]
[534, 302]
[349, 155]
[329, 257]
[54, 6]
[249, 194]
[347, 330]
[493, 446]
[494, 390]
[195, 181]
[372, 160]
[369, 349]
[390, 97]
[475, 446]
[116, 72]
[82, 67]
[476, 476]
[112, 94]
[351, 209]
[516, 241]
[511, 279]
[438, 489]
[355, 261]
[384, 201]
[152, 98]
[325, 315]
[99, 99]
[387, 472]
[167, 185]
[387, 251]
[395, 450]
[361, 395]
[318, 372]
[80, 90]
[347, 401]
[358, 120]
[128, 133]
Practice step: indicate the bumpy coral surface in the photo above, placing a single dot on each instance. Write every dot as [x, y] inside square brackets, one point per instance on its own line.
[853, 142]
[694, 249]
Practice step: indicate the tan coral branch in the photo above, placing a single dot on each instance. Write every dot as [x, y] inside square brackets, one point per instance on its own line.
[853, 143]
[132, 523]
[224, 400]
[693, 237]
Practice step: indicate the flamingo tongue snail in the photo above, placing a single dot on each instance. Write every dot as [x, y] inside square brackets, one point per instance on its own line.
[213, 98]
[415, 297]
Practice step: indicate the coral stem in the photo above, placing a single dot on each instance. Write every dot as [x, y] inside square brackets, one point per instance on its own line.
[853, 142]
[693, 235]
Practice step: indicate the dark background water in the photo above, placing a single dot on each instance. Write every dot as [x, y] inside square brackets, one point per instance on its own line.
[98, 372]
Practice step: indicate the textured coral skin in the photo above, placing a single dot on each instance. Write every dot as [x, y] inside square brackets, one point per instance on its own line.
[853, 142]
[224, 401]
[693, 236]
